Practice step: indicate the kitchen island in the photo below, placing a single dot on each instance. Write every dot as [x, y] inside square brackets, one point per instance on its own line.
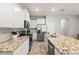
[64, 44]
[11, 47]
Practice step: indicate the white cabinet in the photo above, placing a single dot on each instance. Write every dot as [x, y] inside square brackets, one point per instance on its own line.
[33, 23]
[18, 17]
[40, 21]
[34, 35]
[27, 48]
[27, 17]
[12, 15]
[46, 42]
[23, 49]
[6, 14]
[18, 51]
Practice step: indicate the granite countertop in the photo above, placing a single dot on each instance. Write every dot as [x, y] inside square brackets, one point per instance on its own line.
[10, 45]
[65, 44]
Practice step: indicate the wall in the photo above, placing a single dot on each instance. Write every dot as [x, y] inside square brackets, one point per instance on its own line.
[50, 21]
[53, 24]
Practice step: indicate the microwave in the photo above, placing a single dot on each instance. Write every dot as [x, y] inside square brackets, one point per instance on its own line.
[26, 24]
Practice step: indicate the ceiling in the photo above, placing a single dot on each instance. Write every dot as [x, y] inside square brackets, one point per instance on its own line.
[46, 8]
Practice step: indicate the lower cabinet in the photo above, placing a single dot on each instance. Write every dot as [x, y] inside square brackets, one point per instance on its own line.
[46, 42]
[23, 49]
[18, 51]
[34, 35]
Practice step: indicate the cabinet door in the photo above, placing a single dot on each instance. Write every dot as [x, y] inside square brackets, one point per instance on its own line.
[40, 21]
[27, 44]
[46, 42]
[24, 52]
[6, 14]
[27, 16]
[34, 36]
[18, 51]
[25, 47]
[18, 17]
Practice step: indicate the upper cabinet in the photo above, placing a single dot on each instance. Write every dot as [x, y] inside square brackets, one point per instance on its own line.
[6, 14]
[12, 15]
[18, 17]
[40, 21]
[27, 17]
[20, 14]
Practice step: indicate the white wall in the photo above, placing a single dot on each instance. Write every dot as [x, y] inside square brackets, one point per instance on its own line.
[53, 24]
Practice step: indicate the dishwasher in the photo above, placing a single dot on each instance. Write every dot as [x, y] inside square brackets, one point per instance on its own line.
[50, 48]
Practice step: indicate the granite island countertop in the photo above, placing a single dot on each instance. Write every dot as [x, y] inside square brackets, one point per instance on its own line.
[65, 44]
[10, 45]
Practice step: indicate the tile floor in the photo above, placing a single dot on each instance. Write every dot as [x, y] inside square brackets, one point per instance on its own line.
[37, 48]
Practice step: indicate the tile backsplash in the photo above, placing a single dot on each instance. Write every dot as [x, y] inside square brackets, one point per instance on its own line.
[5, 33]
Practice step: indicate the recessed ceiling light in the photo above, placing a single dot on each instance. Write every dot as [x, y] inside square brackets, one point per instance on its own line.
[53, 9]
[37, 9]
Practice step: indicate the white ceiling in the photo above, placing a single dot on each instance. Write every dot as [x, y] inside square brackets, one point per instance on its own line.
[45, 8]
